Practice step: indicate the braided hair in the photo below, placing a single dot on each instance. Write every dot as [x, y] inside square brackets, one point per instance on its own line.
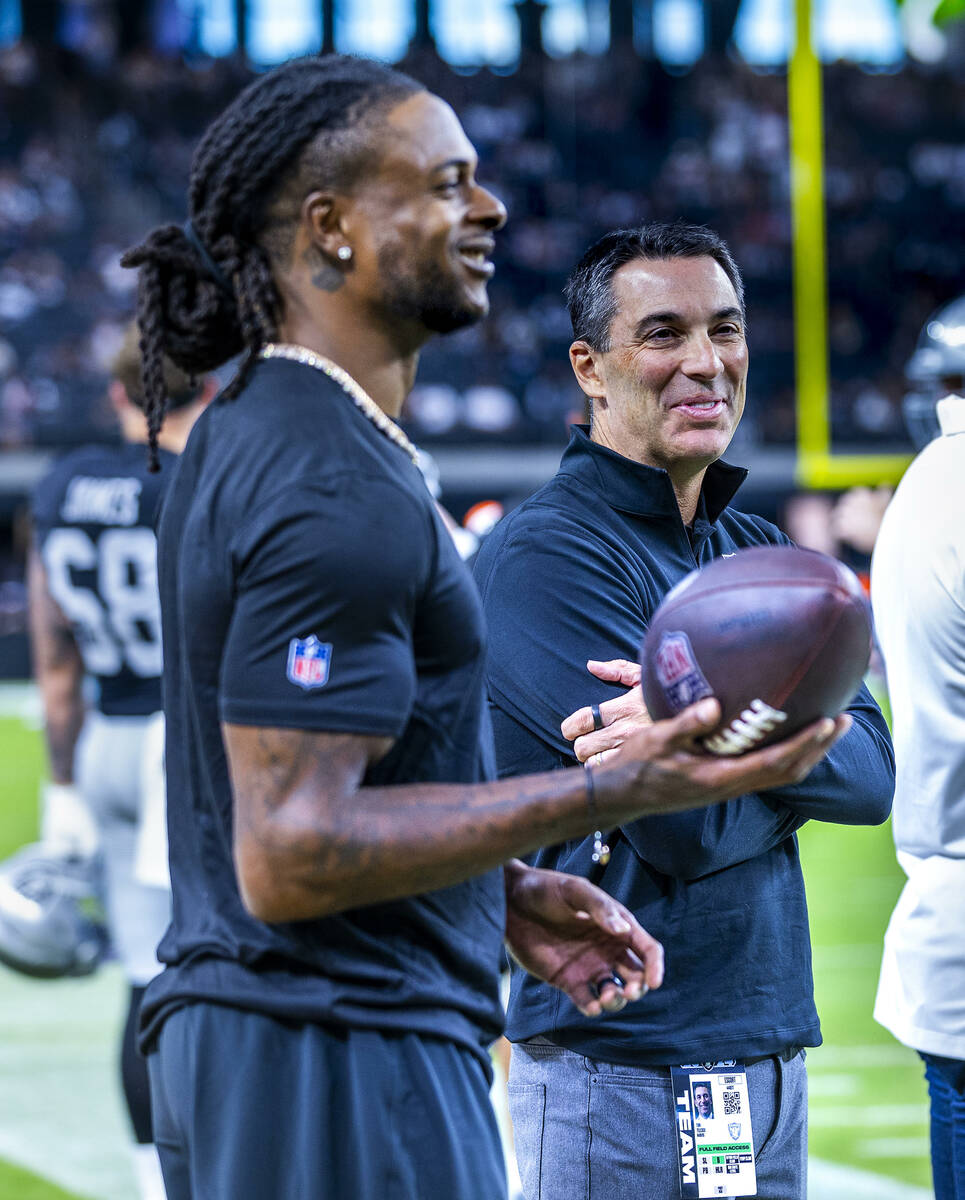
[206, 291]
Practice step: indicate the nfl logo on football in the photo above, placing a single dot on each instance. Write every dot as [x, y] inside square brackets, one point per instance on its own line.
[677, 670]
[674, 658]
[308, 662]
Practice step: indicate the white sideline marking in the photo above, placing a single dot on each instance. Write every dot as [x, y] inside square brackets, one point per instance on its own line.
[857, 956]
[882, 1054]
[821, 1084]
[830, 1181]
[880, 892]
[59, 1089]
[894, 1147]
[826, 1116]
[21, 700]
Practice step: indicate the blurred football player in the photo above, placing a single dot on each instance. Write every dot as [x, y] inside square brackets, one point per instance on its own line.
[342, 861]
[935, 370]
[918, 597]
[96, 639]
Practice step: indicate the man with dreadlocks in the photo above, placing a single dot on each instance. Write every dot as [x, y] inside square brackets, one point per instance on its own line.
[342, 867]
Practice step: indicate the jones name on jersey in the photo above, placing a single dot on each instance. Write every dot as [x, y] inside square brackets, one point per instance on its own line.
[94, 517]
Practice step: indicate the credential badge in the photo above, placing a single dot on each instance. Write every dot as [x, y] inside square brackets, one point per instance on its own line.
[682, 680]
[308, 662]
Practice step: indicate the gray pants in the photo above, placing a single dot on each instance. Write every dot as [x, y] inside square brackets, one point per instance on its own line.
[588, 1130]
[110, 778]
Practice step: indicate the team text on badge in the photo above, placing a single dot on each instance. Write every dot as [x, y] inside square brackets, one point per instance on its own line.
[713, 1125]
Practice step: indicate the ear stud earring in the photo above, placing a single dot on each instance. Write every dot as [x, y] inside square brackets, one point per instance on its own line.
[344, 253]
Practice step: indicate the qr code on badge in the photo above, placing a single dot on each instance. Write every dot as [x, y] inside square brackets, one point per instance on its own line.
[732, 1104]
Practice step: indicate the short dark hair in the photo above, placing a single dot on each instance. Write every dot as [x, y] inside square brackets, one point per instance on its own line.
[125, 367]
[206, 292]
[589, 289]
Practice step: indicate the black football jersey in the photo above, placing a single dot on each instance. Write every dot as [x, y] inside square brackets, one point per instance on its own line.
[94, 515]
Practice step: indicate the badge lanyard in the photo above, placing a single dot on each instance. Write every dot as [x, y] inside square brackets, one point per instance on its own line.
[715, 1142]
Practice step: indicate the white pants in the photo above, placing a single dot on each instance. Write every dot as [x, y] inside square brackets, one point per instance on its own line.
[113, 775]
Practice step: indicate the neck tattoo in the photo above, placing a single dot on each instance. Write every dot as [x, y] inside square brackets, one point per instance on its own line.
[356, 393]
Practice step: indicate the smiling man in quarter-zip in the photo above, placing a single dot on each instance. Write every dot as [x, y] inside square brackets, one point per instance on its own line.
[574, 573]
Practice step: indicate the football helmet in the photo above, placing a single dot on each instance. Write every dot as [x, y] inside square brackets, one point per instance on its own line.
[52, 917]
[935, 370]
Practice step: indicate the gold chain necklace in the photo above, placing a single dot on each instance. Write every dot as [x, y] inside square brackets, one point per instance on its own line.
[356, 393]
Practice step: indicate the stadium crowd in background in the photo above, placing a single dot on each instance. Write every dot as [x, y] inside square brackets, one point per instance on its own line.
[93, 155]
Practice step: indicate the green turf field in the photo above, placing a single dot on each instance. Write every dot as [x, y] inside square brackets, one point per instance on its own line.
[868, 1110]
[21, 765]
[19, 1184]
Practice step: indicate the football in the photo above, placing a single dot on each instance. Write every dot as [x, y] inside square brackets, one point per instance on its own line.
[781, 636]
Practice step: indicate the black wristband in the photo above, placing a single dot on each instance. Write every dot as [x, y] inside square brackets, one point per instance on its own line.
[590, 791]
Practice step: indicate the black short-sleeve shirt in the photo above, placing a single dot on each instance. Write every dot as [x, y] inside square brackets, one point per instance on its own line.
[93, 516]
[307, 582]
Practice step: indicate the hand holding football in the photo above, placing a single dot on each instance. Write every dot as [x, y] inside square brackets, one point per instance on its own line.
[781, 636]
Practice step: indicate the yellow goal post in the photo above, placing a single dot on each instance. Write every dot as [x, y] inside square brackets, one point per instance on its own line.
[817, 465]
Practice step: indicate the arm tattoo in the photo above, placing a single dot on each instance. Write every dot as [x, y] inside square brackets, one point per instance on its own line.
[310, 838]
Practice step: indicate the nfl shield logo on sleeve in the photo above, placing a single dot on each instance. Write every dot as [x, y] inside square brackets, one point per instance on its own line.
[308, 662]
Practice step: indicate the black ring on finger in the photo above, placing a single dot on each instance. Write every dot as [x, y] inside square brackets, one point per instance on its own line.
[613, 977]
[597, 717]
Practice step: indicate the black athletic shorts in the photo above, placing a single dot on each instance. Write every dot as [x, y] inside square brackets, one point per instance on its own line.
[247, 1107]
